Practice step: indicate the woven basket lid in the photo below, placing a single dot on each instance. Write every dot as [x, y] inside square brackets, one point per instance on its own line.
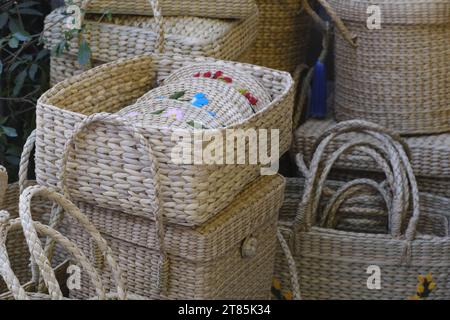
[395, 11]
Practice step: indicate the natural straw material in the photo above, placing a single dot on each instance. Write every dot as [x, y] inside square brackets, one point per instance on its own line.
[283, 35]
[332, 263]
[201, 8]
[112, 169]
[128, 36]
[229, 257]
[396, 76]
[429, 154]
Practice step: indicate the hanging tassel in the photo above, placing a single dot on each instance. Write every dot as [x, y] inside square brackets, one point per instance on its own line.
[318, 101]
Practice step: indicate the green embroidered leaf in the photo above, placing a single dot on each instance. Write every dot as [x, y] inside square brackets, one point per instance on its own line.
[177, 95]
[196, 125]
[158, 112]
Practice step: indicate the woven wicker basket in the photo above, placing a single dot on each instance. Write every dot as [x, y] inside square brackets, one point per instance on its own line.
[430, 154]
[229, 257]
[283, 35]
[49, 286]
[202, 8]
[191, 194]
[244, 83]
[128, 36]
[396, 76]
[333, 263]
[228, 104]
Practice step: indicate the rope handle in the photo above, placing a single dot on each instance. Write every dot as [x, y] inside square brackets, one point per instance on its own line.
[157, 14]
[386, 145]
[292, 266]
[112, 119]
[31, 229]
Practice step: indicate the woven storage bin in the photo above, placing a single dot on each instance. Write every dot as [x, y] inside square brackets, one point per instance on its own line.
[396, 76]
[430, 154]
[128, 36]
[229, 257]
[202, 8]
[333, 263]
[191, 194]
[25, 230]
[283, 35]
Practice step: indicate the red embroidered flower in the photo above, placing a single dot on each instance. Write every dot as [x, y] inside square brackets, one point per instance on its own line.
[197, 75]
[207, 74]
[218, 74]
[227, 79]
[253, 101]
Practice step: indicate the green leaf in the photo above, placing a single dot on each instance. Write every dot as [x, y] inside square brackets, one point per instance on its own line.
[177, 95]
[28, 4]
[9, 132]
[14, 25]
[3, 19]
[13, 43]
[19, 81]
[15, 65]
[29, 11]
[22, 36]
[41, 54]
[1, 67]
[109, 16]
[32, 71]
[84, 53]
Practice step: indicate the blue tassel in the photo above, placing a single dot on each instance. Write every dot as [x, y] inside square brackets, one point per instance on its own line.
[318, 101]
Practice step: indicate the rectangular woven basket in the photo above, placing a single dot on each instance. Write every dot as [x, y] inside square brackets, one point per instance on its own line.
[104, 171]
[229, 257]
[128, 36]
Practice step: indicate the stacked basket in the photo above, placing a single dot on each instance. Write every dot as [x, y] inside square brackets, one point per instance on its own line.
[120, 29]
[179, 229]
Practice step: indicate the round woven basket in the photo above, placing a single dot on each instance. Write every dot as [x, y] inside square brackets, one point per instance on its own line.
[170, 114]
[396, 76]
[214, 96]
[241, 81]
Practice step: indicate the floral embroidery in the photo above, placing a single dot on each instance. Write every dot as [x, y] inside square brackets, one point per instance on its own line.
[132, 114]
[196, 125]
[424, 288]
[278, 293]
[174, 113]
[199, 100]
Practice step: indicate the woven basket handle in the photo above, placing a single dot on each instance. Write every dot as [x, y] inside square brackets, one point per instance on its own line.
[32, 228]
[25, 160]
[292, 266]
[346, 34]
[159, 43]
[398, 163]
[111, 119]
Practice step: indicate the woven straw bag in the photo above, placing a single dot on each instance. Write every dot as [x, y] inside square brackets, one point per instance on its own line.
[226, 9]
[332, 263]
[44, 283]
[429, 154]
[216, 97]
[170, 114]
[191, 194]
[283, 35]
[228, 257]
[396, 76]
[242, 82]
[128, 36]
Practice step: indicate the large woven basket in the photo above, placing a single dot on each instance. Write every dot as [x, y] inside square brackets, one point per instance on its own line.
[283, 35]
[128, 36]
[429, 154]
[411, 249]
[396, 76]
[122, 180]
[201, 8]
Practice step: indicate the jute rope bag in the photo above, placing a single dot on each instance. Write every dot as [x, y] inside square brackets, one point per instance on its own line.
[332, 263]
[128, 36]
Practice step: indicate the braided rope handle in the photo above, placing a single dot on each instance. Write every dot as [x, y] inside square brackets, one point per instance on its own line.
[111, 119]
[3, 184]
[157, 14]
[31, 229]
[391, 146]
[292, 266]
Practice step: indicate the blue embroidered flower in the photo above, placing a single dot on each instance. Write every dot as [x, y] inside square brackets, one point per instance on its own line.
[199, 100]
[212, 113]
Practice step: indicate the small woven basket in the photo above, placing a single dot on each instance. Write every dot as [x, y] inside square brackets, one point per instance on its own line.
[191, 193]
[221, 39]
[396, 76]
[407, 242]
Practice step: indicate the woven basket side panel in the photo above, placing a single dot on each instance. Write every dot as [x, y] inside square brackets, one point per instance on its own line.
[396, 77]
